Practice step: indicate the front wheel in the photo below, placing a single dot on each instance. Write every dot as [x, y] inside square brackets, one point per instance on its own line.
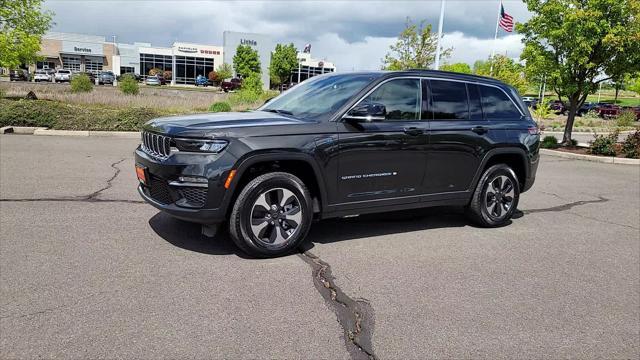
[495, 198]
[272, 215]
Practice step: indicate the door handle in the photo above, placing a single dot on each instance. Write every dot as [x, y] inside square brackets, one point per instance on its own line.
[480, 130]
[413, 131]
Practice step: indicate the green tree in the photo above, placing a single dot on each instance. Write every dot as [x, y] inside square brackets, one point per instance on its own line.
[224, 71]
[573, 42]
[504, 69]
[22, 24]
[457, 67]
[283, 61]
[246, 61]
[415, 48]
[633, 83]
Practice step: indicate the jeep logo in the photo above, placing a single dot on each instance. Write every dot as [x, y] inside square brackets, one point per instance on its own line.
[84, 50]
[248, 42]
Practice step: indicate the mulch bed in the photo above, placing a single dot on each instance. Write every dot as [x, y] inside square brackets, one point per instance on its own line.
[581, 150]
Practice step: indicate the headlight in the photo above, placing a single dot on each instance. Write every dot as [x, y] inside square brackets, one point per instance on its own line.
[210, 146]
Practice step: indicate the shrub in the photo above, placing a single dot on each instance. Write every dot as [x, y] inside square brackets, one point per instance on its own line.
[626, 119]
[155, 71]
[220, 107]
[631, 145]
[128, 85]
[167, 75]
[605, 144]
[591, 115]
[252, 83]
[549, 142]
[81, 83]
[543, 111]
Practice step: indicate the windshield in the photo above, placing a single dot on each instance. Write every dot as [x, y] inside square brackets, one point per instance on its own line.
[318, 96]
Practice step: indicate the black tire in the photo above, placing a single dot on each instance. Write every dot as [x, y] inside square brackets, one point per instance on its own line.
[247, 206]
[482, 210]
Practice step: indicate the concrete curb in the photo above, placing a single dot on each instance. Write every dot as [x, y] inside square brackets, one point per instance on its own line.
[29, 130]
[600, 159]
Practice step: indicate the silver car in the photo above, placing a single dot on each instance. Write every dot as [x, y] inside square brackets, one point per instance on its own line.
[62, 75]
[153, 80]
[41, 75]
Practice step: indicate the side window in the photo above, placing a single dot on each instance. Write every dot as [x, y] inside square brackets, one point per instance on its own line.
[449, 100]
[400, 97]
[475, 109]
[497, 105]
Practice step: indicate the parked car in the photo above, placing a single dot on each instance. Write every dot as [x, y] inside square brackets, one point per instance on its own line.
[608, 110]
[343, 144]
[19, 75]
[201, 80]
[155, 80]
[586, 107]
[41, 75]
[106, 77]
[230, 85]
[557, 107]
[90, 75]
[530, 102]
[62, 75]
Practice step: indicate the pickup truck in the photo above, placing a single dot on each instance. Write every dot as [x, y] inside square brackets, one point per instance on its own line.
[230, 85]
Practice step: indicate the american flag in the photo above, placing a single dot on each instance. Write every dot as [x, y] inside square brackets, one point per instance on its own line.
[506, 20]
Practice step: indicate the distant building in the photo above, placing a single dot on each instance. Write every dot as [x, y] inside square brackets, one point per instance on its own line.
[309, 67]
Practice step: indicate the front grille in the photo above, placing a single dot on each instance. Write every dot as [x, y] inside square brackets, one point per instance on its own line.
[156, 145]
[159, 190]
[194, 196]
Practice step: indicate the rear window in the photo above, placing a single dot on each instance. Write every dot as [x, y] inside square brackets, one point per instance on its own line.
[449, 100]
[64, 71]
[497, 105]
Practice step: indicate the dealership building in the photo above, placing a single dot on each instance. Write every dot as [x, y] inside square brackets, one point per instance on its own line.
[185, 61]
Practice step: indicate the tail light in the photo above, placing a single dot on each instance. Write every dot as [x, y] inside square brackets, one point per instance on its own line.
[534, 130]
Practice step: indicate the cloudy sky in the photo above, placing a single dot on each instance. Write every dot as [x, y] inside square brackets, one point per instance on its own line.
[355, 35]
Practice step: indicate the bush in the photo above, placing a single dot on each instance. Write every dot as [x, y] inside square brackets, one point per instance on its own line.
[220, 107]
[626, 119]
[631, 145]
[543, 111]
[81, 83]
[253, 83]
[2, 92]
[591, 115]
[128, 85]
[605, 144]
[549, 142]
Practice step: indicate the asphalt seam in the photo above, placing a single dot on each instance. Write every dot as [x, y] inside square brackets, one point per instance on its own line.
[93, 197]
[355, 316]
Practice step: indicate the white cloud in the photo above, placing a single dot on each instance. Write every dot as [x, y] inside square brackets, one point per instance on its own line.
[468, 49]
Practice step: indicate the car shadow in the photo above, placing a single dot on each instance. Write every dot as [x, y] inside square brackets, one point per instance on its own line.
[189, 236]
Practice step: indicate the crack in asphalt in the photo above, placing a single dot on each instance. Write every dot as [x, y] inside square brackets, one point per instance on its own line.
[93, 197]
[355, 316]
[567, 206]
[53, 308]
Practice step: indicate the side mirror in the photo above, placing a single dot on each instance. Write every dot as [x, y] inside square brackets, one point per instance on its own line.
[370, 112]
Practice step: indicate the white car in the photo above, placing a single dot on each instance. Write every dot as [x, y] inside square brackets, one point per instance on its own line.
[41, 75]
[62, 75]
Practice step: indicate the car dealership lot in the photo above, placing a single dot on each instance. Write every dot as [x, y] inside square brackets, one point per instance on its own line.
[88, 270]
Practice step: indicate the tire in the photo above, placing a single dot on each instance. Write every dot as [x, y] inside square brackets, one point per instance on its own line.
[278, 230]
[494, 184]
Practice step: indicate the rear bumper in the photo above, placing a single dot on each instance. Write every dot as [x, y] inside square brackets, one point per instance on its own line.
[531, 178]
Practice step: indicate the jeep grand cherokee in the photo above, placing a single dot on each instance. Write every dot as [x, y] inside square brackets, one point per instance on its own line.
[343, 144]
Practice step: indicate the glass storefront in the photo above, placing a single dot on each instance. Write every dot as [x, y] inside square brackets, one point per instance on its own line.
[188, 68]
[151, 61]
[308, 71]
[127, 70]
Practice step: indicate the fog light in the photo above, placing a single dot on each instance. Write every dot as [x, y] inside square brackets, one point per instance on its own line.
[193, 179]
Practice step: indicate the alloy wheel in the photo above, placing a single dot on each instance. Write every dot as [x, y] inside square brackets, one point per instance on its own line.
[499, 196]
[276, 216]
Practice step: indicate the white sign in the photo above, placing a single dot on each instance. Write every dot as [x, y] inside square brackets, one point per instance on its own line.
[187, 49]
[82, 48]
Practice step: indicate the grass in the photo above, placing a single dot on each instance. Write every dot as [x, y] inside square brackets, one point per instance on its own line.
[106, 107]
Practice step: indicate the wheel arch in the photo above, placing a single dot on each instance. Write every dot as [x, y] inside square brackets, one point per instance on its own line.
[515, 157]
[301, 165]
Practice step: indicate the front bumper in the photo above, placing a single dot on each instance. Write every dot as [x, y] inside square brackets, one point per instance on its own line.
[167, 193]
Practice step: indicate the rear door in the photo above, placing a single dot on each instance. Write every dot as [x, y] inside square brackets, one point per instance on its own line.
[459, 135]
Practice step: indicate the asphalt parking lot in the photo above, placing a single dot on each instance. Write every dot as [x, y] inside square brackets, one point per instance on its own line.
[89, 271]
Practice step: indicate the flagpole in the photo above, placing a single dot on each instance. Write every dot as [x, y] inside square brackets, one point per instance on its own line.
[495, 38]
[437, 65]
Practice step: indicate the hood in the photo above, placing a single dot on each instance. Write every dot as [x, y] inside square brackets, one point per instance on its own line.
[199, 125]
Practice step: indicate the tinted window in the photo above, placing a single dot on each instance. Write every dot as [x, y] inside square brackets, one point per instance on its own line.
[400, 97]
[475, 110]
[497, 105]
[449, 100]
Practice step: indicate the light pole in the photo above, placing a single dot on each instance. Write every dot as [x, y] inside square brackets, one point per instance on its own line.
[437, 64]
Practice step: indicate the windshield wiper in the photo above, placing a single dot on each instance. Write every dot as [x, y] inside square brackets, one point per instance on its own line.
[279, 111]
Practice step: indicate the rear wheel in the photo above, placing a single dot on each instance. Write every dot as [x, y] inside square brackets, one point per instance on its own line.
[495, 198]
[272, 215]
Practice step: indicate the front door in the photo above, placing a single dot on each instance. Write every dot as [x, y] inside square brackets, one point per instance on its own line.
[384, 161]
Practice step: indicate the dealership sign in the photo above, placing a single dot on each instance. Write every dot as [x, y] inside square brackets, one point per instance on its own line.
[187, 49]
[248, 42]
[82, 48]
